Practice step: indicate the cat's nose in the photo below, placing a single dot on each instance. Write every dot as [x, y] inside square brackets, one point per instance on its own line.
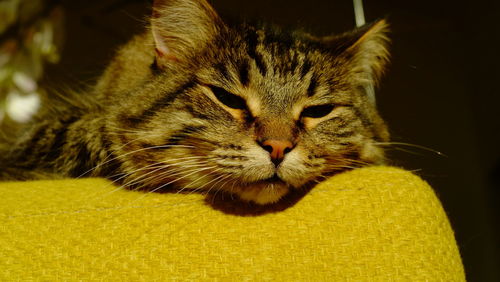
[277, 149]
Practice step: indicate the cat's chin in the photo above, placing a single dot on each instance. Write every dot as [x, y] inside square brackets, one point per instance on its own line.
[263, 193]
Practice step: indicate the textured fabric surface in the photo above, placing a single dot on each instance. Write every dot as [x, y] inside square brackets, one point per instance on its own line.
[377, 224]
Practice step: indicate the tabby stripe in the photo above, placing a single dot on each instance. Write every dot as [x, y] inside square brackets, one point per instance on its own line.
[84, 161]
[110, 164]
[106, 144]
[365, 120]
[244, 73]
[294, 62]
[281, 66]
[112, 168]
[351, 157]
[343, 134]
[196, 114]
[342, 122]
[345, 143]
[155, 69]
[259, 61]
[313, 83]
[223, 71]
[183, 134]
[252, 40]
[158, 105]
[306, 67]
[59, 139]
[33, 143]
[368, 124]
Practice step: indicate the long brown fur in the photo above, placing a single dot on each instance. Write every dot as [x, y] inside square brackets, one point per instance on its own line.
[153, 120]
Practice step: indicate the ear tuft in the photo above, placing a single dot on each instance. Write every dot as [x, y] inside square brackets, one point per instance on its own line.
[366, 52]
[370, 50]
[181, 28]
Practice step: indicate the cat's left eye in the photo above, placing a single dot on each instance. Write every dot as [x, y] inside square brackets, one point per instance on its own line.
[228, 99]
[317, 111]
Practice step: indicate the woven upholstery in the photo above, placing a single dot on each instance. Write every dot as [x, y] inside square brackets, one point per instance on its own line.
[377, 224]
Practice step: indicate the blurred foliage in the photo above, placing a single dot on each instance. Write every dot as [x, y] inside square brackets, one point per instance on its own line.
[31, 35]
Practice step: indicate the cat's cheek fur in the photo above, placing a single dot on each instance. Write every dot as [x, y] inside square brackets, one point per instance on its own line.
[294, 171]
[258, 166]
[372, 154]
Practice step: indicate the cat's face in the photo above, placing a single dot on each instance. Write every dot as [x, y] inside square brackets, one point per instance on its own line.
[250, 111]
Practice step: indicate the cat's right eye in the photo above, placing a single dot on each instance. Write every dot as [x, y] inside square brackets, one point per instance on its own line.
[228, 99]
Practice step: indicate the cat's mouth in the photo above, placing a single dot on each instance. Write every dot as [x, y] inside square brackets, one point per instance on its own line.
[275, 179]
[264, 191]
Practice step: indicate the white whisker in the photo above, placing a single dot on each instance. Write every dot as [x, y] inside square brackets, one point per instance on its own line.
[175, 180]
[410, 145]
[132, 152]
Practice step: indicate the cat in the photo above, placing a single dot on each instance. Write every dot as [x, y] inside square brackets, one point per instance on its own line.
[197, 103]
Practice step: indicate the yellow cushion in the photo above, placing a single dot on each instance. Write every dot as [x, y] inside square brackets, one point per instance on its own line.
[378, 223]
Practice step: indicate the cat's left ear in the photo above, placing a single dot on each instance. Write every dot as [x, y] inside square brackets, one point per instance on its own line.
[181, 28]
[366, 50]
[370, 49]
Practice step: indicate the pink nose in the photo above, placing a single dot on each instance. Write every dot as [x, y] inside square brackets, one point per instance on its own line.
[277, 149]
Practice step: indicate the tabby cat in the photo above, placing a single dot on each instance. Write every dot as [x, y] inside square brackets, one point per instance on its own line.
[196, 103]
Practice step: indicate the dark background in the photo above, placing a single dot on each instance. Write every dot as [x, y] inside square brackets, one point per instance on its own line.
[441, 91]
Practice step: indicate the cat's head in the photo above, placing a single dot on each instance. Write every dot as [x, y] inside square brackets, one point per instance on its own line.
[253, 111]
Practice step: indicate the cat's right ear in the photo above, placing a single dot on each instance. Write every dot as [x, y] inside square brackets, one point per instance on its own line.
[181, 28]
